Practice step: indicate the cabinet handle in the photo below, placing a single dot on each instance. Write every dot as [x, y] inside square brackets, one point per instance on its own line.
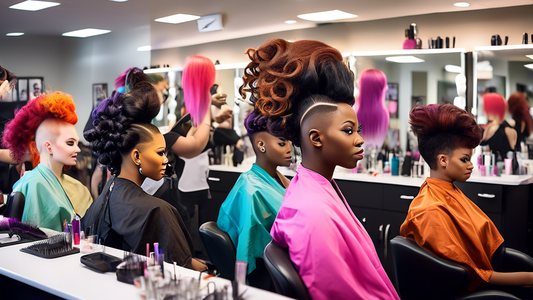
[488, 196]
[213, 179]
[405, 197]
[363, 220]
[386, 244]
[380, 232]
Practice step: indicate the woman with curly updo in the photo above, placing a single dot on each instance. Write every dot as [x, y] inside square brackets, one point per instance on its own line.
[124, 215]
[307, 92]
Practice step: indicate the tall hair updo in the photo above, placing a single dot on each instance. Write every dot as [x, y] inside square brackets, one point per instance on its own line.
[441, 129]
[121, 123]
[285, 78]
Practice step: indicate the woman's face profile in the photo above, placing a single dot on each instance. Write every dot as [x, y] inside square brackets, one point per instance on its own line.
[153, 160]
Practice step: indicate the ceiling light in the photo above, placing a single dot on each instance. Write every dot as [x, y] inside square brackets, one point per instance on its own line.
[404, 59]
[462, 4]
[290, 22]
[327, 16]
[15, 34]
[34, 5]
[144, 48]
[529, 56]
[119, 0]
[178, 18]
[453, 68]
[157, 70]
[529, 66]
[83, 33]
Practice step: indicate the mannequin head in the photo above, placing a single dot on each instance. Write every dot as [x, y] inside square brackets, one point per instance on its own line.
[370, 107]
[495, 107]
[198, 78]
[267, 147]
[446, 136]
[301, 87]
[20, 133]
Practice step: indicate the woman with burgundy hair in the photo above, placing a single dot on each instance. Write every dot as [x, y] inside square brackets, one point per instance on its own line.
[521, 122]
[441, 218]
[498, 134]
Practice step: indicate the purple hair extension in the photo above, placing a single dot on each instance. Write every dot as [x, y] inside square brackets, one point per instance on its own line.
[370, 108]
[255, 123]
[10, 224]
[198, 77]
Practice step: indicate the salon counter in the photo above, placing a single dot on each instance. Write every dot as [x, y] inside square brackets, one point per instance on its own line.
[66, 277]
[381, 203]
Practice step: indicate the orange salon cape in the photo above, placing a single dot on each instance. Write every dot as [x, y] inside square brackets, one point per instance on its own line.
[443, 220]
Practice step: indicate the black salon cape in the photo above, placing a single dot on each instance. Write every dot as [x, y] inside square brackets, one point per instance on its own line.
[137, 218]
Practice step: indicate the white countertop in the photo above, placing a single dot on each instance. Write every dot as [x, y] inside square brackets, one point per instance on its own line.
[68, 278]
[388, 179]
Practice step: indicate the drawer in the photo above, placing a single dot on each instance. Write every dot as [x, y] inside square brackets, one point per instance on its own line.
[488, 197]
[362, 194]
[220, 181]
[398, 197]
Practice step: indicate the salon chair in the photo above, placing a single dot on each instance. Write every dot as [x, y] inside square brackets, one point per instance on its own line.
[15, 205]
[286, 279]
[421, 274]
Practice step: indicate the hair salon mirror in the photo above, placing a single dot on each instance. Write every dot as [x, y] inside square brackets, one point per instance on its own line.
[503, 70]
[414, 77]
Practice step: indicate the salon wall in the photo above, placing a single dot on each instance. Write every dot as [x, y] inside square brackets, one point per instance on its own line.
[471, 28]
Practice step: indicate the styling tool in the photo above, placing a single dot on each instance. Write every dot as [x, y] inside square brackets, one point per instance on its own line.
[447, 42]
[506, 40]
[56, 246]
[101, 262]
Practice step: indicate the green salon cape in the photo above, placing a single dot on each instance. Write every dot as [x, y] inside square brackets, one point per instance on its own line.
[47, 204]
[249, 212]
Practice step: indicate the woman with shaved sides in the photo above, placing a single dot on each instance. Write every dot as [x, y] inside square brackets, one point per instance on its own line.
[441, 218]
[306, 91]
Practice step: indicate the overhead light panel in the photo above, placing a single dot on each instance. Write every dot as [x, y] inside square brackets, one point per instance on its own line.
[330, 15]
[529, 66]
[144, 48]
[34, 5]
[406, 59]
[157, 70]
[119, 0]
[83, 33]
[529, 56]
[290, 22]
[453, 69]
[178, 18]
[15, 34]
[461, 4]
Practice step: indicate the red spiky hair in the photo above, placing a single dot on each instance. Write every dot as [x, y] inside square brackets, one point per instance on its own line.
[19, 133]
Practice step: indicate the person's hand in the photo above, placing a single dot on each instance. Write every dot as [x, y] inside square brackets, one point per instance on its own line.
[218, 100]
[240, 145]
[224, 115]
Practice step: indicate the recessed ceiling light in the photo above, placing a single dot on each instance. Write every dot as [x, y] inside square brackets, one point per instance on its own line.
[462, 4]
[330, 15]
[157, 70]
[144, 48]
[453, 68]
[119, 0]
[178, 18]
[404, 59]
[15, 34]
[83, 33]
[290, 22]
[529, 56]
[529, 66]
[34, 5]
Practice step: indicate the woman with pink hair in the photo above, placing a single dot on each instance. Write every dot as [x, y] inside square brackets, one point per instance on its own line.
[498, 134]
[370, 107]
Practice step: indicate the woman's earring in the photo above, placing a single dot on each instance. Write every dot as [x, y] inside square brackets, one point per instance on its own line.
[141, 170]
[261, 147]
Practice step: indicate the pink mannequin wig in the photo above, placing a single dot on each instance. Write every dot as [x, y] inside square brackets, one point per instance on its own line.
[198, 77]
[19, 133]
[370, 107]
[494, 104]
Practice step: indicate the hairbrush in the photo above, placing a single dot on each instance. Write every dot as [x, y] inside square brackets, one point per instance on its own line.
[56, 246]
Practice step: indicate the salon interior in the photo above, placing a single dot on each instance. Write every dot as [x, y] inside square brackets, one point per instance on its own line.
[431, 52]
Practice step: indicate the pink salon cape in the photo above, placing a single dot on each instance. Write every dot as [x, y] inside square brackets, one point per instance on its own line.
[331, 250]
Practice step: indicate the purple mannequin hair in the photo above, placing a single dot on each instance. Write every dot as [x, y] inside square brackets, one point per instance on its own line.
[370, 107]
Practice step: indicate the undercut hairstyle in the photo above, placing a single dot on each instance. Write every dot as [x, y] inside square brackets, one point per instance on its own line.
[494, 104]
[255, 122]
[441, 129]
[285, 79]
[48, 130]
[198, 77]
[19, 133]
[519, 110]
[121, 123]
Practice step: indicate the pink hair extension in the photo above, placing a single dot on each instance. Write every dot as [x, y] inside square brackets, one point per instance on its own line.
[370, 107]
[198, 77]
[120, 81]
[494, 104]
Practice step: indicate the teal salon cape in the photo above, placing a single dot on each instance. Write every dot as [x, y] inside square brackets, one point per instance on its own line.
[47, 204]
[249, 211]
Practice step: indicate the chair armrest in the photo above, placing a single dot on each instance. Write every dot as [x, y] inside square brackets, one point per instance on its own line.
[516, 261]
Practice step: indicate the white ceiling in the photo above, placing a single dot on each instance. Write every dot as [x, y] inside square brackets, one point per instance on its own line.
[241, 18]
